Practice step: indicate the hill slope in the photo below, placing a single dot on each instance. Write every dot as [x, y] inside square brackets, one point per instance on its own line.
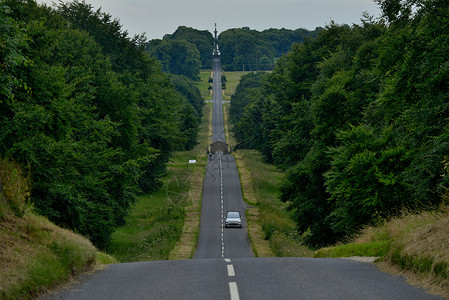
[35, 254]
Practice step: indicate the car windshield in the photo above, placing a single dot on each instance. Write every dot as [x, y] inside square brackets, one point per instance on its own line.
[233, 214]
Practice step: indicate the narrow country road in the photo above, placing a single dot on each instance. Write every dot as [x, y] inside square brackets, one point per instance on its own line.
[221, 193]
[224, 266]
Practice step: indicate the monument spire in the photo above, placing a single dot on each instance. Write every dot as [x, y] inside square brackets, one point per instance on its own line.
[216, 53]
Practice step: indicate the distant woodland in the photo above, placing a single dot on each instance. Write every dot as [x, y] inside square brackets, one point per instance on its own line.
[188, 50]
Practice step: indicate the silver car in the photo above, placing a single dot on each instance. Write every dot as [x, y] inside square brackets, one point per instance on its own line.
[233, 219]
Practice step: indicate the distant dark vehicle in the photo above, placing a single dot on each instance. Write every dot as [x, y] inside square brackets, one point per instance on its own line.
[233, 219]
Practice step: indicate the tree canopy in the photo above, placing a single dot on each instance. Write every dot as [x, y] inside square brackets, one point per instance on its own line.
[241, 49]
[177, 57]
[88, 111]
[202, 39]
[357, 117]
[252, 50]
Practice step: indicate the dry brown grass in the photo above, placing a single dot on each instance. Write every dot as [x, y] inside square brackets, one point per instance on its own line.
[14, 188]
[419, 248]
[421, 245]
[424, 281]
[261, 246]
[185, 248]
[15, 249]
[233, 79]
[27, 254]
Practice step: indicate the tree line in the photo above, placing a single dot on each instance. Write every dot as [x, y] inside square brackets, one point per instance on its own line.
[245, 49]
[358, 119]
[86, 109]
[188, 50]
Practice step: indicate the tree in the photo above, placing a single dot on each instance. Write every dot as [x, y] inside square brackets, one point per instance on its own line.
[188, 89]
[178, 57]
[202, 39]
[96, 123]
[12, 39]
[254, 50]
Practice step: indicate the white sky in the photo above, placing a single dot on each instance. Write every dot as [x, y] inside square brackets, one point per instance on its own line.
[159, 17]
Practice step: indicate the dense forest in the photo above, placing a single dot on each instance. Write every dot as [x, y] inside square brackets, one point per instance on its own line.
[90, 114]
[244, 49]
[358, 118]
[188, 50]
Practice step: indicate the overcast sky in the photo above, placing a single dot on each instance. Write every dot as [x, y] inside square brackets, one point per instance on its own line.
[159, 17]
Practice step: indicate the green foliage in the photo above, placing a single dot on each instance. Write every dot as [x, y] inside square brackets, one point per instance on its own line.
[188, 89]
[155, 223]
[365, 180]
[12, 38]
[14, 189]
[370, 249]
[358, 118]
[202, 39]
[177, 57]
[251, 50]
[89, 112]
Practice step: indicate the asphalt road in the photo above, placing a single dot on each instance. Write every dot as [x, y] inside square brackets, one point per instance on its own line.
[221, 193]
[225, 268]
[243, 278]
[218, 133]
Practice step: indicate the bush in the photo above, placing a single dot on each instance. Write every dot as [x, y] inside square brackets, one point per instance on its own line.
[14, 189]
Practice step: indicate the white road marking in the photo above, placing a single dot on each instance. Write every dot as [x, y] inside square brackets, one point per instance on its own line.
[231, 271]
[234, 291]
[228, 260]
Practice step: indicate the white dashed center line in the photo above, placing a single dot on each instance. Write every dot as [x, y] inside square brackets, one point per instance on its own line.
[231, 271]
[234, 291]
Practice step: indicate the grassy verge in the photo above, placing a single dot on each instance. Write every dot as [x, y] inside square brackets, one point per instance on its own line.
[269, 222]
[203, 84]
[164, 224]
[233, 79]
[370, 249]
[35, 254]
[414, 245]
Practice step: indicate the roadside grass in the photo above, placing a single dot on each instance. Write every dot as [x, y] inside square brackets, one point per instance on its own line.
[419, 245]
[164, 224]
[414, 245]
[269, 221]
[35, 254]
[153, 226]
[370, 249]
[203, 84]
[232, 80]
